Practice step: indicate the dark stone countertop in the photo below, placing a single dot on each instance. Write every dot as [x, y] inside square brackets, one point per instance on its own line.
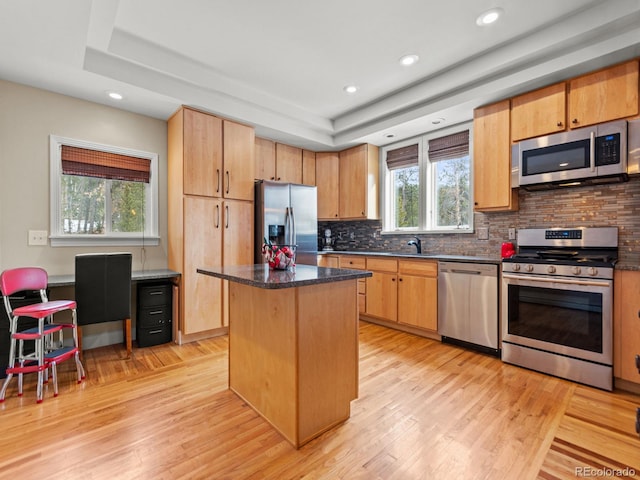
[261, 276]
[422, 256]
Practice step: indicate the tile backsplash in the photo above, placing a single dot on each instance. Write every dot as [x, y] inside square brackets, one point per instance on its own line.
[590, 206]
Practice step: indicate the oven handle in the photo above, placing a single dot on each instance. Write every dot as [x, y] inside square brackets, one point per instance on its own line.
[588, 283]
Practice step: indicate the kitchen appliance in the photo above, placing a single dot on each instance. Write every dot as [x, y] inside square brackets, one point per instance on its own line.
[327, 241]
[286, 214]
[508, 249]
[557, 303]
[603, 153]
[468, 305]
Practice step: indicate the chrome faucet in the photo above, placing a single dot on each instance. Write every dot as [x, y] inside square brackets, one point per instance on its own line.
[417, 243]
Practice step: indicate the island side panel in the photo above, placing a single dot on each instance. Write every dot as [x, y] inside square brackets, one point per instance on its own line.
[327, 355]
[262, 353]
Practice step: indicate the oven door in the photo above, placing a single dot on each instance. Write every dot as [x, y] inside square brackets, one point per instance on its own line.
[567, 316]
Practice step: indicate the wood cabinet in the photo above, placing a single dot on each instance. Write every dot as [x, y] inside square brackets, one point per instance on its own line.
[626, 325]
[329, 261]
[492, 159]
[540, 112]
[308, 167]
[604, 95]
[210, 223]
[288, 163]
[265, 159]
[382, 288]
[418, 293]
[358, 183]
[327, 180]
[356, 262]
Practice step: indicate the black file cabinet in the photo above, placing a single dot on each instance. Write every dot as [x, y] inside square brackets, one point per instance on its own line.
[154, 314]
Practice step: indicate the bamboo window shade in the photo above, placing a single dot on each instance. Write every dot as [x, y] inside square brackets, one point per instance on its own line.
[402, 157]
[99, 164]
[449, 147]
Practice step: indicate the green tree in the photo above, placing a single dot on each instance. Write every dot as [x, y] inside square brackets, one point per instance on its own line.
[452, 178]
[407, 196]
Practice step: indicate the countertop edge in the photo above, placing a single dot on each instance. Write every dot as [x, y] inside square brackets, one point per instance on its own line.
[444, 258]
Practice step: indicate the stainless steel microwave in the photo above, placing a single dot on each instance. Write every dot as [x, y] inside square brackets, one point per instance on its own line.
[590, 155]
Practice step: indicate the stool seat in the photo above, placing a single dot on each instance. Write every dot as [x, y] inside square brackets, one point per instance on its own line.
[41, 310]
[34, 333]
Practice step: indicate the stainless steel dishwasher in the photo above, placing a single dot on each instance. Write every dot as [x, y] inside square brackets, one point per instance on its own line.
[468, 305]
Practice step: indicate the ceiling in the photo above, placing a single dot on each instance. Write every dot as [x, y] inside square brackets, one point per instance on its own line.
[281, 65]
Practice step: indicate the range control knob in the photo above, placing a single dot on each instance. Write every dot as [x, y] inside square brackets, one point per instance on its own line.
[576, 270]
[515, 267]
[551, 269]
[593, 271]
[529, 268]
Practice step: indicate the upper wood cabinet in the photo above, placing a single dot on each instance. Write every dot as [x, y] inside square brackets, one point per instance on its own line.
[202, 149]
[492, 159]
[327, 181]
[288, 163]
[540, 112]
[604, 95]
[265, 159]
[238, 161]
[308, 167]
[358, 192]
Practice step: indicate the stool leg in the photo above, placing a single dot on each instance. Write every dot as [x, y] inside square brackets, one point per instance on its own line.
[40, 355]
[54, 376]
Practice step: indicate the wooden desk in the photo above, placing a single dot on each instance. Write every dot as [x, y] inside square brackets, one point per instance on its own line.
[293, 344]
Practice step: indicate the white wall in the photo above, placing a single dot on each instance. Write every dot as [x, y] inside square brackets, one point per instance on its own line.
[27, 117]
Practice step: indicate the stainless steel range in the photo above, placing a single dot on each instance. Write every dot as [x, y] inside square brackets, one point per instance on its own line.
[557, 303]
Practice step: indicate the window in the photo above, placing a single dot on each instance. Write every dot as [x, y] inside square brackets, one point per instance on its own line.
[428, 184]
[102, 194]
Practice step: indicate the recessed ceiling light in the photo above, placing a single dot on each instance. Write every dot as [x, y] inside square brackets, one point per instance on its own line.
[437, 121]
[115, 95]
[350, 89]
[408, 60]
[489, 17]
[389, 135]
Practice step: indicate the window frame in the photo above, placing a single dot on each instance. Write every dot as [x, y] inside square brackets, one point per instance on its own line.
[427, 181]
[148, 237]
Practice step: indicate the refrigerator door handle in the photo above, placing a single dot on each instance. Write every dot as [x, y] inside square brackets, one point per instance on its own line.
[293, 229]
[287, 225]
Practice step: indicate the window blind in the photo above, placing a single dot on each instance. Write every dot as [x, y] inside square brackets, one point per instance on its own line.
[402, 157]
[99, 164]
[449, 147]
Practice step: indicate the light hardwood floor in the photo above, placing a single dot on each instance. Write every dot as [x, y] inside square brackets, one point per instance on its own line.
[426, 410]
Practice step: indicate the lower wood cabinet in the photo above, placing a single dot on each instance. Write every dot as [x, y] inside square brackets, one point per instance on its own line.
[418, 293]
[626, 325]
[356, 262]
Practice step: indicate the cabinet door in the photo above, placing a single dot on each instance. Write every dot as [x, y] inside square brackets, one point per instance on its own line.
[239, 161]
[329, 261]
[202, 154]
[539, 113]
[382, 296]
[327, 180]
[604, 95]
[492, 159]
[201, 294]
[265, 159]
[626, 325]
[418, 301]
[308, 167]
[353, 182]
[237, 226]
[288, 163]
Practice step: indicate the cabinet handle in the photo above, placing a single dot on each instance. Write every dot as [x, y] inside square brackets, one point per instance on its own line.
[156, 312]
[336, 215]
[638, 421]
[559, 124]
[272, 178]
[278, 178]
[400, 279]
[217, 216]
[226, 215]
[362, 213]
[218, 183]
[228, 181]
[157, 293]
[574, 121]
[393, 279]
[638, 363]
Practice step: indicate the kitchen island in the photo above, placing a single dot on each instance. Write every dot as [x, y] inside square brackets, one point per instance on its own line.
[293, 344]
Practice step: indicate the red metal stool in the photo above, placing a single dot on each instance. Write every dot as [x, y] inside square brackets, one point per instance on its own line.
[49, 351]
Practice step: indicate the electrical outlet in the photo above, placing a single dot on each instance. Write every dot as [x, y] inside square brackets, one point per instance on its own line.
[512, 233]
[38, 237]
[483, 233]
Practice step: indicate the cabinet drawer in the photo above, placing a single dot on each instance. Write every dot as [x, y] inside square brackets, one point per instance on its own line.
[382, 264]
[154, 317]
[354, 262]
[147, 337]
[152, 295]
[425, 268]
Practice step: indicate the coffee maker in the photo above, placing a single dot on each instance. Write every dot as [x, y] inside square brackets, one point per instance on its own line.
[327, 241]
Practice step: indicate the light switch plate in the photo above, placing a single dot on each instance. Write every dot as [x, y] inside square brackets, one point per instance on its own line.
[483, 233]
[512, 233]
[38, 237]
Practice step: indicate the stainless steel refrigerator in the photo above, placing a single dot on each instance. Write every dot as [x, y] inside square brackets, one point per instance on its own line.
[287, 214]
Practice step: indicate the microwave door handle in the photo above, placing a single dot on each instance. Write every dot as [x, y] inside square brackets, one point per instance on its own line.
[592, 150]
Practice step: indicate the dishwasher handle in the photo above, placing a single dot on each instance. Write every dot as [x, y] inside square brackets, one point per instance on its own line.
[466, 272]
